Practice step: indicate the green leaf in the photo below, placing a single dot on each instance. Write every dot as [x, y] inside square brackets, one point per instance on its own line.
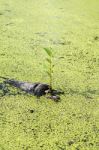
[48, 73]
[48, 60]
[48, 51]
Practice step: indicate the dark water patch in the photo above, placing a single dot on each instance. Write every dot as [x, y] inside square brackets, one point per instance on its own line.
[91, 144]
[1, 14]
[7, 10]
[60, 146]
[6, 4]
[31, 110]
[2, 148]
[2, 54]
[8, 24]
[61, 57]
[61, 8]
[88, 94]
[6, 91]
[96, 38]
[71, 142]
[3, 90]
[74, 115]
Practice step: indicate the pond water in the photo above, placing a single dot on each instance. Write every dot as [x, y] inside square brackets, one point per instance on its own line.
[71, 28]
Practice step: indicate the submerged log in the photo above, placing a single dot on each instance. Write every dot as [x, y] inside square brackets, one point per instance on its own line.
[37, 89]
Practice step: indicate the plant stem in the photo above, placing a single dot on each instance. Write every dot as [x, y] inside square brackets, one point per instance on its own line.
[51, 71]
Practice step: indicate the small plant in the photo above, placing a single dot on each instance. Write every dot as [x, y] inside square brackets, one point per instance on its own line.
[49, 67]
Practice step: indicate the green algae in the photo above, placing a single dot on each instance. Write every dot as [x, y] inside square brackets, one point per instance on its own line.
[71, 28]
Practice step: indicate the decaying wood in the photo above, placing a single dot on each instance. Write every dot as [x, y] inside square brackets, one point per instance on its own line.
[37, 89]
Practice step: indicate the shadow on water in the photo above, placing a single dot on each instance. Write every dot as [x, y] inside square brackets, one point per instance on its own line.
[3, 94]
[12, 91]
[88, 94]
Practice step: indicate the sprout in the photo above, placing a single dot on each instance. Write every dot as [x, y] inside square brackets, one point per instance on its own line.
[50, 66]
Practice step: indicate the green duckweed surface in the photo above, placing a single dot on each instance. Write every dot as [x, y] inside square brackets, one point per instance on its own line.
[71, 28]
